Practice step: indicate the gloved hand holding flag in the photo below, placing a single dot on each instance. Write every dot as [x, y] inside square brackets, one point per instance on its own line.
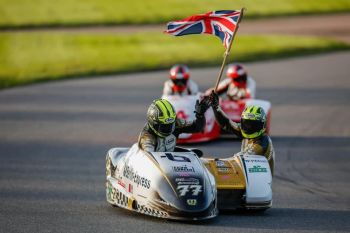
[223, 23]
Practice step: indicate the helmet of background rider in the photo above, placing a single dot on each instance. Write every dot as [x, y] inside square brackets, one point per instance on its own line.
[253, 122]
[161, 117]
[179, 75]
[238, 74]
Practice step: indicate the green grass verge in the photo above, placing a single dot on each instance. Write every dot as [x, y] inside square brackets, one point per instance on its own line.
[17, 13]
[31, 57]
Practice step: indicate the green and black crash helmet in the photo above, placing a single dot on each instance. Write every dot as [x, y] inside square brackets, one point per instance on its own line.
[253, 122]
[161, 117]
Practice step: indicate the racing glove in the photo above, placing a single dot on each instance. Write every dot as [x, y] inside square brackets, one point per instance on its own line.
[214, 100]
[202, 106]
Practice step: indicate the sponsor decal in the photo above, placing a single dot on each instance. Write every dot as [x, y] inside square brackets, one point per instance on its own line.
[194, 189]
[121, 183]
[137, 179]
[109, 188]
[250, 115]
[169, 120]
[113, 193]
[130, 189]
[184, 174]
[255, 161]
[223, 169]
[187, 181]
[170, 141]
[183, 168]
[255, 169]
[220, 165]
[191, 202]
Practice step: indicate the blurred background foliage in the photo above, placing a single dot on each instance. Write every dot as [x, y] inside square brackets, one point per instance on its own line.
[28, 56]
[94, 12]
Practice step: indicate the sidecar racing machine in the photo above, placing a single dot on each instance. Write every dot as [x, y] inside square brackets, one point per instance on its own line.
[179, 185]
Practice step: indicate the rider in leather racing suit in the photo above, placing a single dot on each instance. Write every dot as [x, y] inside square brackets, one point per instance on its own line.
[163, 127]
[180, 82]
[238, 85]
[251, 130]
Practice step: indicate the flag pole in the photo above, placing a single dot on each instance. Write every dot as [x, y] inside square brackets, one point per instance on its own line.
[227, 52]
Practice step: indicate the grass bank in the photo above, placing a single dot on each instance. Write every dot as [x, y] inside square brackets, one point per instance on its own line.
[29, 13]
[32, 57]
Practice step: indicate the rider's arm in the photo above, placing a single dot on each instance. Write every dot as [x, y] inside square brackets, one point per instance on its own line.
[167, 90]
[195, 126]
[223, 86]
[225, 123]
[147, 141]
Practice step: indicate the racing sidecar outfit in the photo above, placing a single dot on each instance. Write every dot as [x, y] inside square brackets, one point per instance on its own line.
[171, 89]
[151, 142]
[261, 145]
[234, 92]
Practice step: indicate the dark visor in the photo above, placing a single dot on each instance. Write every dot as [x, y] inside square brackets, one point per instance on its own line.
[251, 126]
[165, 129]
[241, 79]
[180, 82]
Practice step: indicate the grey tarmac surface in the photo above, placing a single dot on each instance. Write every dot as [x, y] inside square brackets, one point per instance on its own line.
[54, 136]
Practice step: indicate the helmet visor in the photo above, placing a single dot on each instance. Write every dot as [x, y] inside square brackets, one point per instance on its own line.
[180, 82]
[165, 129]
[251, 126]
[241, 79]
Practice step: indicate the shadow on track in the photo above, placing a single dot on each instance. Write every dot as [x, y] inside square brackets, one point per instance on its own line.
[288, 219]
[275, 218]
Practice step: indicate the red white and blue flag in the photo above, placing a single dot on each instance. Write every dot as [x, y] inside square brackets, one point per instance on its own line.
[219, 23]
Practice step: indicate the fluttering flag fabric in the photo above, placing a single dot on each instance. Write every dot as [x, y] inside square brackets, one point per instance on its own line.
[219, 23]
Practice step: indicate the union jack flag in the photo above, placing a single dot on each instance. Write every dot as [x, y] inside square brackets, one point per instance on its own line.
[219, 23]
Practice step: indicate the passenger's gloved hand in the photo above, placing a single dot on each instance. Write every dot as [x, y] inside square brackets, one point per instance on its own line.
[214, 100]
[202, 106]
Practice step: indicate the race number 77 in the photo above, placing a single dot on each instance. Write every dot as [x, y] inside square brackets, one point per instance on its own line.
[194, 188]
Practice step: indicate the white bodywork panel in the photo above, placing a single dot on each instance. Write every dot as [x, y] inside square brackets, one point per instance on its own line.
[259, 179]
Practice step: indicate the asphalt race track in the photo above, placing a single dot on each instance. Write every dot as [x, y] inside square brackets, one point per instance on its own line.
[54, 136]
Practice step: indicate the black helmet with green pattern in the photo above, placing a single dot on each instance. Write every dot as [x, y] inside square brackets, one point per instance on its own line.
[161, 117]
[253, 122]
